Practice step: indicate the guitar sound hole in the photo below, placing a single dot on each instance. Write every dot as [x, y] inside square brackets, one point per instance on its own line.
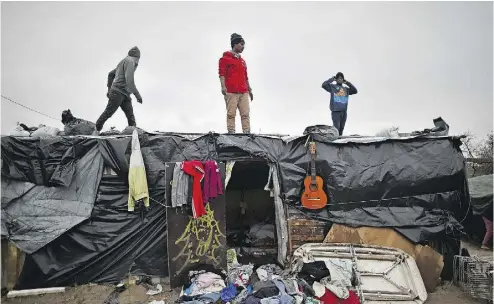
[313, 188]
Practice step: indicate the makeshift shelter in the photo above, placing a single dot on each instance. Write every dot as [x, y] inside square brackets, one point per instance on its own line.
[480, 189]
[64, 199]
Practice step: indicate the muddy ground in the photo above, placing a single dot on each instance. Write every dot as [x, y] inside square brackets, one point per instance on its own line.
[136, 294]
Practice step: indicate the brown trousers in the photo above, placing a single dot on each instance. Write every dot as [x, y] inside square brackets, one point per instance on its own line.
[240, 101]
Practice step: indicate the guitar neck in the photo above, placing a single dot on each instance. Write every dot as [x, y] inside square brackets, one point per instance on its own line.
[313, 168]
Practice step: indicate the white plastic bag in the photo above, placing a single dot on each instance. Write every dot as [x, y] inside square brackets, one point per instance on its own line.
[44, 131]
[19, 132]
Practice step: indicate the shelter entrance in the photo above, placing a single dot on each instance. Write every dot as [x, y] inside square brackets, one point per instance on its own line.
[250, 213]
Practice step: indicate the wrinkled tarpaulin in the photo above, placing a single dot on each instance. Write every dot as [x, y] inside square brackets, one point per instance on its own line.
[480, 188]
[415, 185]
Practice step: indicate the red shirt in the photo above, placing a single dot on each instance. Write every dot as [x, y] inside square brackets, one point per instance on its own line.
[196, 170]
[234, 69]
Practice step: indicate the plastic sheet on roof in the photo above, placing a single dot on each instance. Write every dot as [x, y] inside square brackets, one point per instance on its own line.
[415, 185]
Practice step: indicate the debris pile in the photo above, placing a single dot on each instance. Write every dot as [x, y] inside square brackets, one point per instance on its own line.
[317, 274]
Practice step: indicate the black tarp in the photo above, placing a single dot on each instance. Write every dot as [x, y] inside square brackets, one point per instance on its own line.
[415, 185]
[480, 188]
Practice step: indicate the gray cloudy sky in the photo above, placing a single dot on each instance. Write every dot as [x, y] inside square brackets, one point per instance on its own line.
[410, 61]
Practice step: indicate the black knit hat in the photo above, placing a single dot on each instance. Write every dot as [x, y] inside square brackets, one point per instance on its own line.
[135, 52]
[236, 38]
[340, 74]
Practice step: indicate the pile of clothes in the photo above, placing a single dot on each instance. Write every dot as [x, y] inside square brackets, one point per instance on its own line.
[314, 283]
[196, 182]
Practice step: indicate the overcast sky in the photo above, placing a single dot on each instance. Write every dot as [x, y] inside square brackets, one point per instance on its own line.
[410, 61]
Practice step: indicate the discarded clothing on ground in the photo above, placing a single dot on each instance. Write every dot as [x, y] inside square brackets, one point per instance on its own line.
[268, 272]
[205, 283]
[314, 271]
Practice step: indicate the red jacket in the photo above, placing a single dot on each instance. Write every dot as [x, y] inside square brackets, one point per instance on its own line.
[234, 70]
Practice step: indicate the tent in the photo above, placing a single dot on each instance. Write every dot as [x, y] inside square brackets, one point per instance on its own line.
[62, 207]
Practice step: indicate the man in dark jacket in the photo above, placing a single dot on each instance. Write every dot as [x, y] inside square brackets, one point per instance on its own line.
[120, 86]
[339, 99]
[235, 85]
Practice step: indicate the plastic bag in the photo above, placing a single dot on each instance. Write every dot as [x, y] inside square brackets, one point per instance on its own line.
[389, 133]
[79, 126]
[44, 131]
[322, 133]
[19, 132]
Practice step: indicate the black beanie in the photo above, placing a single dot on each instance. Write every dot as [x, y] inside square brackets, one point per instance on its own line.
[340, 74]
[135, 52]
[235, 38]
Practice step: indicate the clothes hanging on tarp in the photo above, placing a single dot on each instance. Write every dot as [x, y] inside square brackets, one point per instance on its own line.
[196, 170]
[180, 186]
[138, 185]
[212, 181]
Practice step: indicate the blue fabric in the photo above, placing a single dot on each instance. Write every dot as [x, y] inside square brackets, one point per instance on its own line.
[228, 293]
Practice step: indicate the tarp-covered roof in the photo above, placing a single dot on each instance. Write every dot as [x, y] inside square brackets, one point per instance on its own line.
[415, 185]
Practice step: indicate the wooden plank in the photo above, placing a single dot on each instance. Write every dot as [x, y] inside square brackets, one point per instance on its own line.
[12, 271]
[5, 248]
[192, 242]
[34, 292]
[301, 222]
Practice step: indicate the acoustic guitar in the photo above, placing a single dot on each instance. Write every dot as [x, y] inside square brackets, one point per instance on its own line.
[313, 196]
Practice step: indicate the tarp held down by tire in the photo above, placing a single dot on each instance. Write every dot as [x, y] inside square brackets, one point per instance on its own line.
[414, 185]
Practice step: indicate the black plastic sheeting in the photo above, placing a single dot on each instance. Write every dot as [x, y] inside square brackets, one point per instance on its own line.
[104, 249]
[417, 186]
[34, 215]
[480, 188]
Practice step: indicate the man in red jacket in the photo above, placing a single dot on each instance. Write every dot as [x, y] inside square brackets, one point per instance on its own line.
[235, 84]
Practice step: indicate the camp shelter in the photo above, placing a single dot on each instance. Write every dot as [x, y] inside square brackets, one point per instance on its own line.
[64, 199]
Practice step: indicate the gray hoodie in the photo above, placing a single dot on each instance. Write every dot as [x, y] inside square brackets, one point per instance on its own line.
[121, 79]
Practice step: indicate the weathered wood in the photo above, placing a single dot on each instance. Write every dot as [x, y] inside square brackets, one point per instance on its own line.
[34, 292]
[12, 270]
[304, 230]
[479, 160]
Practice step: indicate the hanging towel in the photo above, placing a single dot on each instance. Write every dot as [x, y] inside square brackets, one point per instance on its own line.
[180, 186]
[212, 181]
[138, 184]
[196, 170]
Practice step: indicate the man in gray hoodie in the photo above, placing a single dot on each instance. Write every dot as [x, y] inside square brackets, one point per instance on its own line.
[120, 86]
